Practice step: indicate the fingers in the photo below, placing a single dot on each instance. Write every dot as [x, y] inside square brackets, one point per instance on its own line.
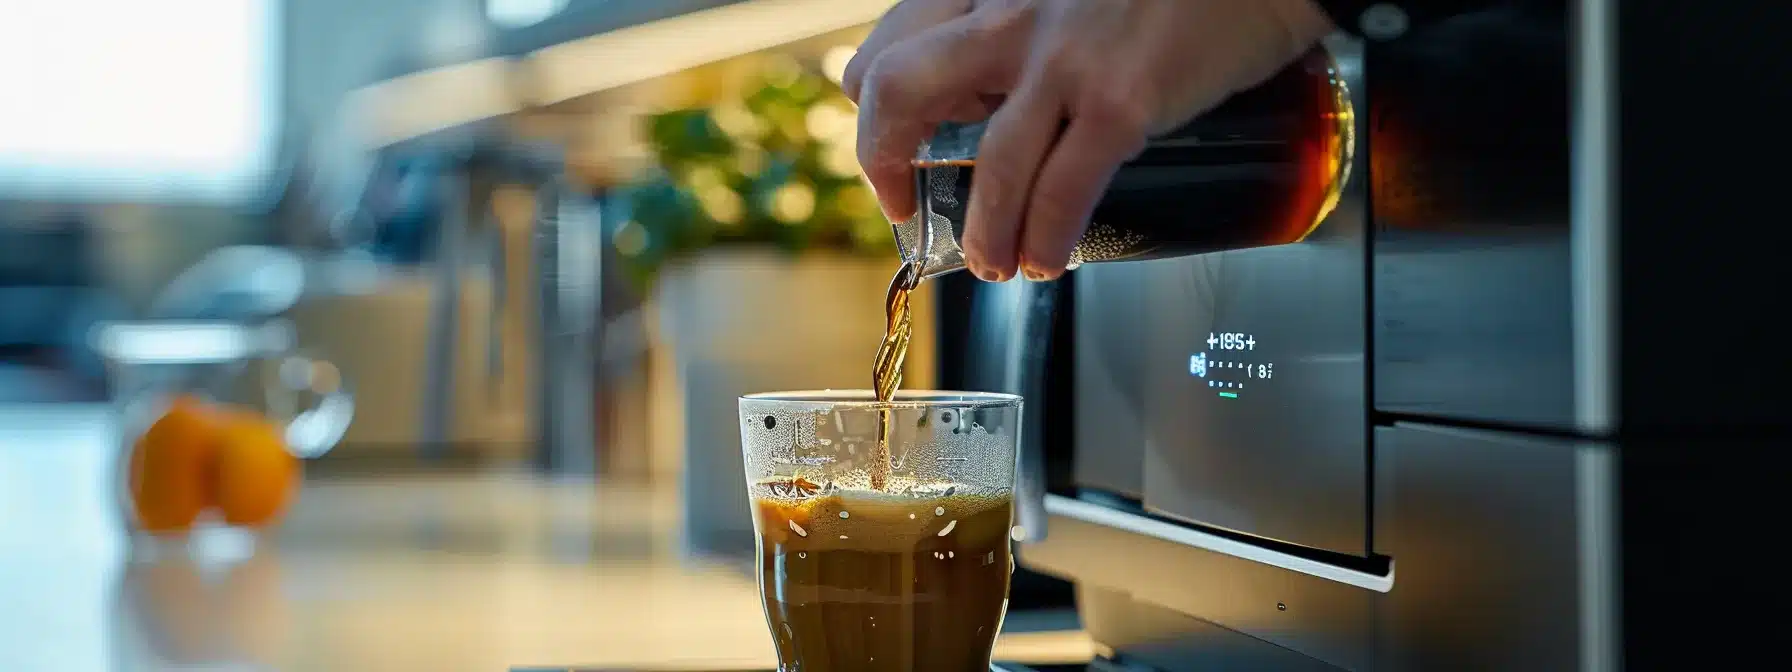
[887, 142]
[1069, 186]
[905, 19]
[934, 76]
[1019, 136]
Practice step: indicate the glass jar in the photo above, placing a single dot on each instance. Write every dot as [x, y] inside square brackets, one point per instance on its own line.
[214, 420]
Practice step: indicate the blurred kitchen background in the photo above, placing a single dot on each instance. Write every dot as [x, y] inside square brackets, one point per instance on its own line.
[538, 246]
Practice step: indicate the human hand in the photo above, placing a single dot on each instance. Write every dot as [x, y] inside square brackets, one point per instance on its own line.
[905, 20]
[901, 41]
[1086, 83]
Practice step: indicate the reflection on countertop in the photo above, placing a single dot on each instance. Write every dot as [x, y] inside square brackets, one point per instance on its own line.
[468, 571]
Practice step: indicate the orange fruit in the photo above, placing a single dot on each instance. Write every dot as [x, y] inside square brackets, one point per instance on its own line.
[171, 467]
[256, 476]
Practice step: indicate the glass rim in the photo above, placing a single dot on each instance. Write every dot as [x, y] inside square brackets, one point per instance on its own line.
[868, 399]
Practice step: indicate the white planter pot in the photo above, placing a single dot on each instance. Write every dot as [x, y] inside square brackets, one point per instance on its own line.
[745, 321]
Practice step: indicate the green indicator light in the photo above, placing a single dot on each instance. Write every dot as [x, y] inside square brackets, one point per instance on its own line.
[1229, 395]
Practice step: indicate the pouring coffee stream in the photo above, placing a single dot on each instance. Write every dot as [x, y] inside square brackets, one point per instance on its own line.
[886, 370]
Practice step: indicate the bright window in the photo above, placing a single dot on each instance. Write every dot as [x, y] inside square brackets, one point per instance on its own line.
[128, 99]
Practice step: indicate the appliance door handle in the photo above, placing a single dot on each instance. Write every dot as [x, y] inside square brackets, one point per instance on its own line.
[1024, 368]
[568, 248]
[444, 317]
[498, 268]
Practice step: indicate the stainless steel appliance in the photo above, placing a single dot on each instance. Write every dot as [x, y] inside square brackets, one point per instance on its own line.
[1514, 405]
[564, 274]
[506, 305]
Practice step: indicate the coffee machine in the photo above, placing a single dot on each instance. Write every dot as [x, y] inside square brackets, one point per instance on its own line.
[1514, 405]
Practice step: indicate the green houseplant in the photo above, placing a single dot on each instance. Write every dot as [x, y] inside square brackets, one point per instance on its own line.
[764, 187]
[775, 168]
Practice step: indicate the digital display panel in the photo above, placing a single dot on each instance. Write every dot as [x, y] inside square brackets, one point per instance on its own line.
[1240, 378]
[1231, 364]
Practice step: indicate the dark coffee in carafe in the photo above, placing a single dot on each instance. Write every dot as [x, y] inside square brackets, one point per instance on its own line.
[1264, 168]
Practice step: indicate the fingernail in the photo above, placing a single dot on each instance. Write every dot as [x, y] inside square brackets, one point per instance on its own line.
[1035, 272]
[986, 275]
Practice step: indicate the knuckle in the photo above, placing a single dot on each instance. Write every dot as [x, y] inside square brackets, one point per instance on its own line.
[867, 155]
[999, 19]
[853, 80]
[1055, 206]
[1065, 58]
[1123, 113]
[993, 191]
[876, 164]
[975, 245]
[1123, 108]
[894, 81]
[882, 79]
[871, 157]
[978, 250]
[885, 166]
[1054, 215]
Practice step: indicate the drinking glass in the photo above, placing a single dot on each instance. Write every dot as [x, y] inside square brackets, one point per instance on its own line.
[214, 419]
[883, 527]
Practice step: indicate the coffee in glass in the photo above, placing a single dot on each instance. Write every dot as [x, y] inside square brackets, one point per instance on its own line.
[910, 574]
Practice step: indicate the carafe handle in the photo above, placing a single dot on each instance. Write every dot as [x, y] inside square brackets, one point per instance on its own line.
[227, 348]
[314, 430]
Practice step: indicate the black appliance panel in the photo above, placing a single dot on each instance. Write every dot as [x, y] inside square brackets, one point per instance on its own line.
[1469, 128]
[1699, 258]
[1496, 540]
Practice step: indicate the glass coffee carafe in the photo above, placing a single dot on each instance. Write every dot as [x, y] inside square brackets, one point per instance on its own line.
[1264, 168]
[214, 420]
